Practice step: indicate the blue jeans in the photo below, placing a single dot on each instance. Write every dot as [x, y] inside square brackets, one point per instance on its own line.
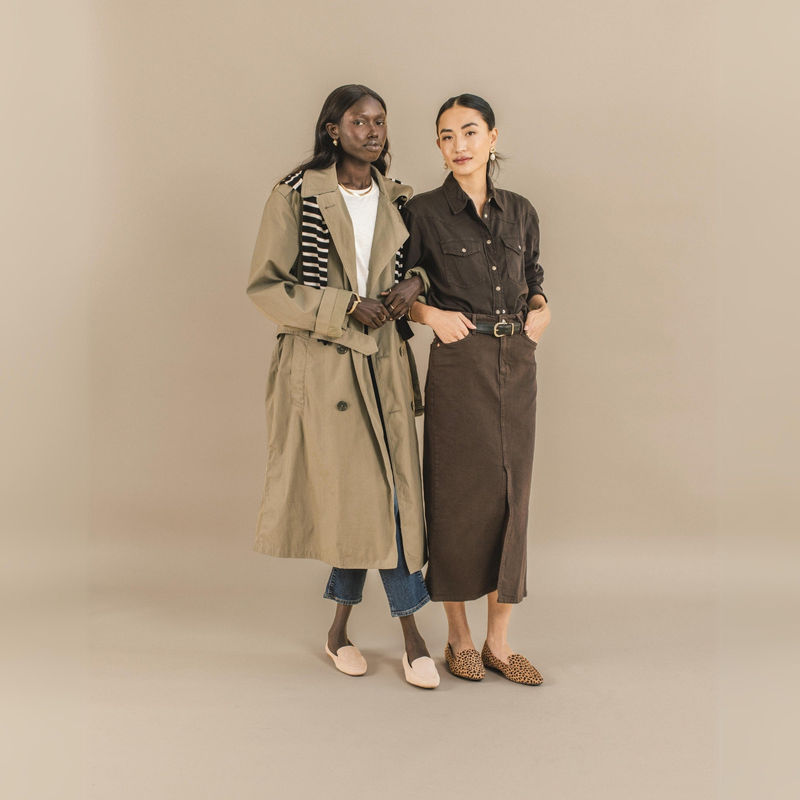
[406, 593]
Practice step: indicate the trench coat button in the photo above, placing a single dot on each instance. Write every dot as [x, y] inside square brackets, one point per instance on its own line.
[412, 406]
[341, 405]
[341, 349]
[402, 349]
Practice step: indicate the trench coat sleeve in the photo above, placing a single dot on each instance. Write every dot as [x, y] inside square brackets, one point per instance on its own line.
[413, 252]
[274, 287]
[534, 273]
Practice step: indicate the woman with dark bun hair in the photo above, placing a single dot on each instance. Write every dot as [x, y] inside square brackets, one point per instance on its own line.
[477, 249]
[343, 480]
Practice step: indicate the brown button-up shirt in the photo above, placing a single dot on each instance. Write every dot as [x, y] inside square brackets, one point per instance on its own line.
[476, 264]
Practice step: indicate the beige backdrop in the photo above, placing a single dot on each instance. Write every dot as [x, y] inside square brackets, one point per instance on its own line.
[209, 680]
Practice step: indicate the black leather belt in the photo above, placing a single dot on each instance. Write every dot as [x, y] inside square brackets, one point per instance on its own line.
[498, 328]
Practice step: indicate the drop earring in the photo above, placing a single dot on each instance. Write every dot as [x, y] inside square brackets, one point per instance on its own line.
[492, 156]
[335, 142]
[445, 165]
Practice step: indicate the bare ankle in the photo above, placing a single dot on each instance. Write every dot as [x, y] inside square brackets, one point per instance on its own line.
[461, 641]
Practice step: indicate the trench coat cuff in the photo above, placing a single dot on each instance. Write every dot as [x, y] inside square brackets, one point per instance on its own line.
[419, 272]
[330, 320]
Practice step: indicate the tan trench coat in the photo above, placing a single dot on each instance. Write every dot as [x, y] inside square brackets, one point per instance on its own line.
[328, 486]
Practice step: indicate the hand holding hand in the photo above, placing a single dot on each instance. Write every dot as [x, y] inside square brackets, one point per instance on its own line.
[371, 313]
[401, 296]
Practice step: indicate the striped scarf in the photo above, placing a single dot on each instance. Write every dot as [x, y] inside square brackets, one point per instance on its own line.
[315, 239]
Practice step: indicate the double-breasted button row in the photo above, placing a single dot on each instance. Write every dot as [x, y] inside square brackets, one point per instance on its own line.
[341, 349]
[341, 405]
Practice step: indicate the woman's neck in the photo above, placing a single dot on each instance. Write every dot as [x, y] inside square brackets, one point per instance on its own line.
[475, 186]
[354, 174]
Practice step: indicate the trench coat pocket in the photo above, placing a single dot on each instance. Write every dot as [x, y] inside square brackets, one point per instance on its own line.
[297, 369]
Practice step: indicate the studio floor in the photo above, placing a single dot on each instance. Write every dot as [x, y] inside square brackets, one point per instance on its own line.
[209, 679]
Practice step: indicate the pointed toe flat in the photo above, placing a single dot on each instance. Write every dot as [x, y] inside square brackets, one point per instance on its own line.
[421, 672]
[518, 669]
[348, 659]
[467, 664]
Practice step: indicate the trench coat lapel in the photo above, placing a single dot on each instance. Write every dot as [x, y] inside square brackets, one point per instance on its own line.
[390, 233]
[337, 218]
[324, 185]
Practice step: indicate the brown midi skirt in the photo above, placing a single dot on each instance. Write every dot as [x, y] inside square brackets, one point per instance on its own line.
[480, 422]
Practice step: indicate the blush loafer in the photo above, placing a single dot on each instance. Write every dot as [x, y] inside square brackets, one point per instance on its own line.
[348, 659]
[421, 672]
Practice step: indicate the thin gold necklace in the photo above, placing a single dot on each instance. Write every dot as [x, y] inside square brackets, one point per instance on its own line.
[358, 194]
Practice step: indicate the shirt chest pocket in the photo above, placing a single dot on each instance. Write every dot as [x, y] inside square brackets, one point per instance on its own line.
[515, 257]
[464, 262]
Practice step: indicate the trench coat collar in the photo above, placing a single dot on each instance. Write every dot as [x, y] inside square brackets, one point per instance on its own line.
[458, 198]
[390, 232]
[322, 181]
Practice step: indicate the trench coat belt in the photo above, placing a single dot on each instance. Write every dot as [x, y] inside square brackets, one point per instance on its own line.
[351, 338]
[367, 346]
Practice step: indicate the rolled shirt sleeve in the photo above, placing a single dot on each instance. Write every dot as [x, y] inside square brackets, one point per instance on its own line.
[534, 273]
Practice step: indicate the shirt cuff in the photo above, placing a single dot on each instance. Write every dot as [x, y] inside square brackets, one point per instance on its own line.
[535, 292]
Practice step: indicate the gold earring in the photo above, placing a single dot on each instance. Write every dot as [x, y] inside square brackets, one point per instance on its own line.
[492, 156]
[445, 165]
[335, 142]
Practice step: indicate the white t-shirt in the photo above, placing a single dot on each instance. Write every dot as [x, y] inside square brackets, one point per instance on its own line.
[363, 210]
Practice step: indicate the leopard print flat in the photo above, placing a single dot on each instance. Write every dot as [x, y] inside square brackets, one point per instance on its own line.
[467, 664]
[518, 669]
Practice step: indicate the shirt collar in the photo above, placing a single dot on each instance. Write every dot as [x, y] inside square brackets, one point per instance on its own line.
[458, 198]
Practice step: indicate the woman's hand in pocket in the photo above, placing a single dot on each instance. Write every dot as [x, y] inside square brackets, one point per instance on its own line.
[449, 326]
[538, 319]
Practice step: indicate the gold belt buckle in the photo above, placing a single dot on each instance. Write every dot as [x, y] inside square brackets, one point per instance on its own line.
[499, 335]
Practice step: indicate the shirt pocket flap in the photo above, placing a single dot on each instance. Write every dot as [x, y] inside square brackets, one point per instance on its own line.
[514, 243]
[461, 247]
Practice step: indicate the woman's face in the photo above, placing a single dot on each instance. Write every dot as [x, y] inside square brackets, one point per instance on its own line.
[465, 140]
[362, 131]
